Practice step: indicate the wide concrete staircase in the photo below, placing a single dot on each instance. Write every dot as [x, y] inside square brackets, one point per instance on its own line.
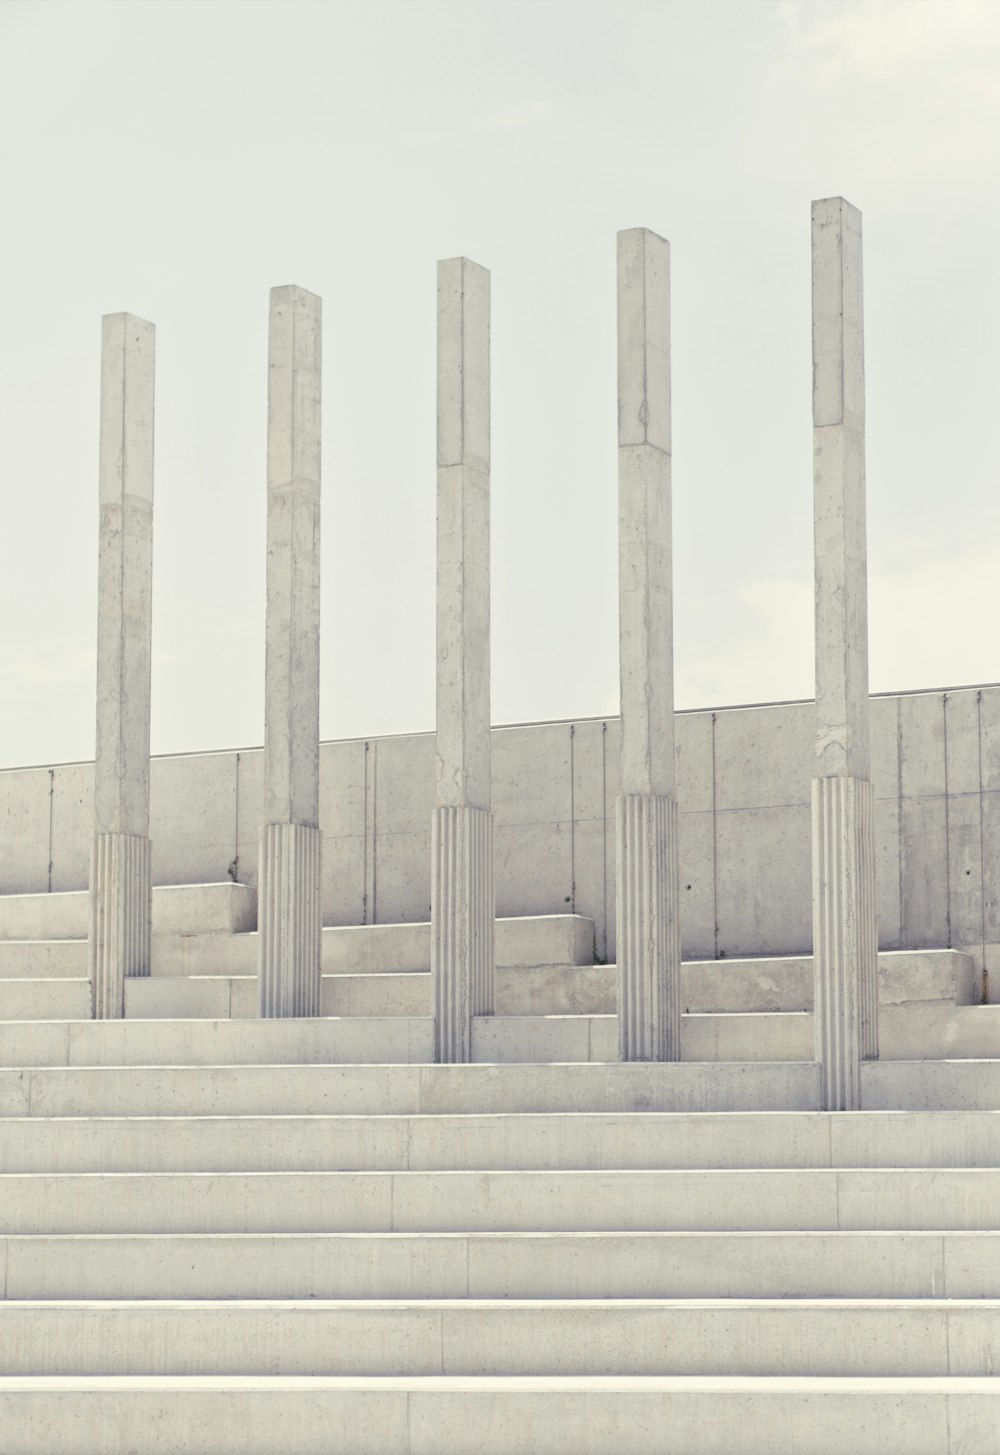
[219, 1234]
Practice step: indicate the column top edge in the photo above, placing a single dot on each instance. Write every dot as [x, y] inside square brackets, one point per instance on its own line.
[295, 290]
[625, 232]
[463, 262]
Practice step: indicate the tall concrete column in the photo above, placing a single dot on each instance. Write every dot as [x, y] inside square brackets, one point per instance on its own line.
[462, 892]
[288, 893]
[120, 875]
[845, 934]
[649, 946]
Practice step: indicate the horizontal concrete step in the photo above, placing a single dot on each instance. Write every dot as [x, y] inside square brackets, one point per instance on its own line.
[187, 909]
[441, 1415]
[385, 949]
[933, 979]
[44, 1023]
[346, 949]
[927, 1029]
[833, 1337]
[418, 1088]
[756, 1200]
[179, 1090]
[215, 1042]
[569, 1141]
[738, 986]
[856, 1265]
[930, 978]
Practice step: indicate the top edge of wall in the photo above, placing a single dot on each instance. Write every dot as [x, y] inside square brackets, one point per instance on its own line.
[509, 726]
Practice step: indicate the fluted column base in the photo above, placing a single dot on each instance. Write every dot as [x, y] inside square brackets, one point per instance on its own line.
[463, 914]
[289, 920]
[845, 936]
[649, 940]
[121, 889]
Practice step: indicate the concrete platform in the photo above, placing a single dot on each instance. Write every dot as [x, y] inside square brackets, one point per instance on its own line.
[440, 1415]
[179, 1090]
[833, 1337]
[177, 909]
[226, 1042]
[727, 1200]
[568, 1141]
[854, 1265]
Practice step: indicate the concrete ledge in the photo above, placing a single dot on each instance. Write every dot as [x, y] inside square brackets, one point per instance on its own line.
[450, 1416]
[963, 1085]
[177, 909]
[857, 1265]
[43, 959]
[568, 1141]
[833, 1337]
[746, 1200]
[172, 1090]
[214, 1042]
[42, 1000]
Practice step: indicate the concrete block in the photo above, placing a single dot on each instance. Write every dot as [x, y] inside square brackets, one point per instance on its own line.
[960, 1085]
[163, 997]
[43, 959]
[556, 990]
[45, 916]
[934, 1031]
[45, 1000]
[175, 955]
[375, 995]
[197, 909]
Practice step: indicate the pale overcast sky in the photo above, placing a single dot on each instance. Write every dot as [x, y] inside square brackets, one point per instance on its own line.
[178, 159]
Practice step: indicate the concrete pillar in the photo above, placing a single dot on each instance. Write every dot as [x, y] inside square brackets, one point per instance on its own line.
[120, 876]
[649, 947]
[845, 935]
[462, 893]
[288, 896]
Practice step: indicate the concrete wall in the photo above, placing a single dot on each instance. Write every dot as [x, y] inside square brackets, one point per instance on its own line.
[743, 786]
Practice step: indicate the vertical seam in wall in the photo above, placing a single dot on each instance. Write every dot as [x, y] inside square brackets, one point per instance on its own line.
[364, 844]
[375, 830]
[235, 874]
[947, 823]
[604, 835]
[715, 858]
[52, 789]
[572, 817]
[899, 815]
[982, 850]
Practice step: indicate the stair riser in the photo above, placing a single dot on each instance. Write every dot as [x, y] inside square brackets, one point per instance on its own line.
[905, 1034]
[208, 1042]
[501, 1201]
[570, 1141]
[177, 909]
[699, 1266]
[407, 1089]
[787, 1339]
[405, 1419]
